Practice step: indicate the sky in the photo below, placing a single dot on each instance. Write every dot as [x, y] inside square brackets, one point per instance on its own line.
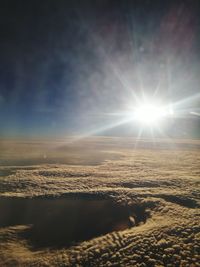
[71, 67]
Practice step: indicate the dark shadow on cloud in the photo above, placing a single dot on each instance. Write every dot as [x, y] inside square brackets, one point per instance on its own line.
[68, 220]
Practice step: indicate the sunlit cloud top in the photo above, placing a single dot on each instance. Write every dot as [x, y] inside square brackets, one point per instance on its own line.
[69, 67]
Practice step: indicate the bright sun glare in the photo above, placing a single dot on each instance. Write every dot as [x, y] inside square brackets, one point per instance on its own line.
[150, 114]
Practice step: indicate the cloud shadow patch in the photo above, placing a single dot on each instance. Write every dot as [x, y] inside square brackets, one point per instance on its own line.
[66, 221]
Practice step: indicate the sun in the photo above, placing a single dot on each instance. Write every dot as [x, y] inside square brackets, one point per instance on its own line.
[149, 113]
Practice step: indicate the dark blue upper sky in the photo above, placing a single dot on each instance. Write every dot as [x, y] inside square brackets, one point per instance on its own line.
[65, 64]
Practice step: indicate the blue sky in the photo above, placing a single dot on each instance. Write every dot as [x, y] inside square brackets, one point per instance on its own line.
[65, 65]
